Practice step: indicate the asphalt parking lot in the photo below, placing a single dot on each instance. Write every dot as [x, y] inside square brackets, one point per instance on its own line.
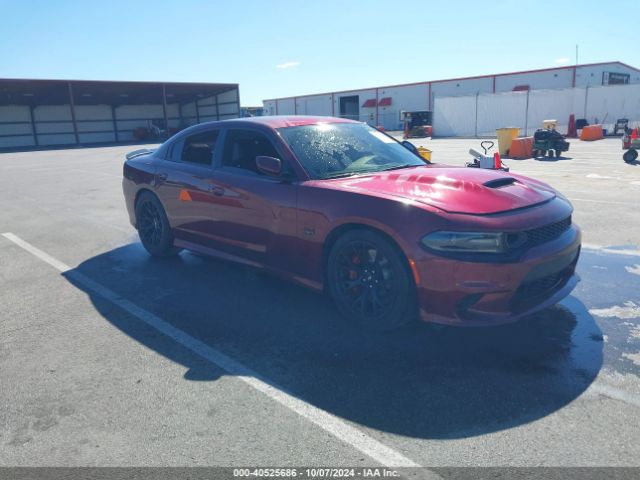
[110, 357]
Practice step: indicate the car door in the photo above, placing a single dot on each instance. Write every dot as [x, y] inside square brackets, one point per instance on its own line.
[254, 214]
[183, 184]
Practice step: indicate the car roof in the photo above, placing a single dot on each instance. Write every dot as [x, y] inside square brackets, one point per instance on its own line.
[284, 121]
[269, 122]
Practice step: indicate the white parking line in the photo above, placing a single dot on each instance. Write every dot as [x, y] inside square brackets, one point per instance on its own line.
[606, 202]
[613, 393]
[613, 251]
[377, 451]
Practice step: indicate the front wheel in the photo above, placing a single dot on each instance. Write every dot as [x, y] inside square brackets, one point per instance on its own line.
[153, 226]
[370, 281]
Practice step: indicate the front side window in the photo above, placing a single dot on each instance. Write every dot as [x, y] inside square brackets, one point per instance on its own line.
[333, 150]
[243, 146]
[199, 148]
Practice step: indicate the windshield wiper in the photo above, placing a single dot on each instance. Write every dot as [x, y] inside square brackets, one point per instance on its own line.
[363, 172]
[398, 167]
[348, 174]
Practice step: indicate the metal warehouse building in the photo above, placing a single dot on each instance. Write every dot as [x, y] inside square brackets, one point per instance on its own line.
[37, 113]
[383, 105]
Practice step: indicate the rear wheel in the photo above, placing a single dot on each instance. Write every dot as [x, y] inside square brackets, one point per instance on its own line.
[153, 226]
[369, 279]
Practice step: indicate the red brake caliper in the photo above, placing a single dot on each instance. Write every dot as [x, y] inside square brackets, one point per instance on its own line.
[353, 274]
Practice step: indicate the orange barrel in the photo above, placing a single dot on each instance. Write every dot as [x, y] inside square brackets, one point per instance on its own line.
[591, 132]
[521, 147]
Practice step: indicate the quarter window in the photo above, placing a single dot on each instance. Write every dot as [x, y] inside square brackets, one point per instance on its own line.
[199, 148]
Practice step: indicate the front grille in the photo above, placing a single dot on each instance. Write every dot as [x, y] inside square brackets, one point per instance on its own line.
[538, 236]
[539, 287]
[532, 292]
[467, 302]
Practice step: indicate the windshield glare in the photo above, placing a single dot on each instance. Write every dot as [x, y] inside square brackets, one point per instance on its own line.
[341, 149]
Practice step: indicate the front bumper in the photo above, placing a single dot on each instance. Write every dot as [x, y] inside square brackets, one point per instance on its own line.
[462, 293]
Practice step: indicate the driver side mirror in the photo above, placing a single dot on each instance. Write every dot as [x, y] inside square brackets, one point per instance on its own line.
[269, 165]
[411, 147]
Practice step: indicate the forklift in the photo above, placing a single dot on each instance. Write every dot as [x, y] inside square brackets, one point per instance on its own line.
[621, 127]
[417, 124]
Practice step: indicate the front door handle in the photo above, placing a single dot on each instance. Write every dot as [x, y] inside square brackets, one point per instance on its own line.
[162, 177]
[218, 191]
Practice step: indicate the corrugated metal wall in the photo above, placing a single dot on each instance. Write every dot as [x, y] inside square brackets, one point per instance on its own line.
[421, 96]
[15, 123]
[98, 123]
[455, 116]
[481, 114]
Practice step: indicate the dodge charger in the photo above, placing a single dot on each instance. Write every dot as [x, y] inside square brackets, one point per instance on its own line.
[343, 208]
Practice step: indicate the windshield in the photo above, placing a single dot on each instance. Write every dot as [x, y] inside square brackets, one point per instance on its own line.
[333, 150]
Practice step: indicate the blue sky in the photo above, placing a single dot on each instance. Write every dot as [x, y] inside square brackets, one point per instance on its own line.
[276, 48]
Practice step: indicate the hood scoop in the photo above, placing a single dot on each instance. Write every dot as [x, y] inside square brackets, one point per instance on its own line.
[500, 182]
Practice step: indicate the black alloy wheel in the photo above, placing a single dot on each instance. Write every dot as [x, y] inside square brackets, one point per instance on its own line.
[153, 227]
[370, 281]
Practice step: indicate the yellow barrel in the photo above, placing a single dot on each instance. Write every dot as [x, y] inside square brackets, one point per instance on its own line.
[505, 137]
[425, 153]
[549, 124]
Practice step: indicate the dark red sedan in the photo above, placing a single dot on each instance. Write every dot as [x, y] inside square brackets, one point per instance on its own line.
[339, 206]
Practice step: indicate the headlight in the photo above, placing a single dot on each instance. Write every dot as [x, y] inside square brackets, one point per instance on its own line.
[480, 242]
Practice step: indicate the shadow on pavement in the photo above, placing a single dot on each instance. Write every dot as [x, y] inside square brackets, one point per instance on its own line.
[422, 381]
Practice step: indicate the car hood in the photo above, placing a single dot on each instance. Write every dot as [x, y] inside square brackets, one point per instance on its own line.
[454, 189]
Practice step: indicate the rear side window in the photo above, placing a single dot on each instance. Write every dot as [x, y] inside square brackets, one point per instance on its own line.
[199, 148]
[243, 146]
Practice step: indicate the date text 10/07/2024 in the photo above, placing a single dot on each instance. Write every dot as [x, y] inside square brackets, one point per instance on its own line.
[309, 473]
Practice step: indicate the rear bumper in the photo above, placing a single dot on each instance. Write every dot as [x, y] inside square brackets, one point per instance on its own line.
[130, 189]
[481, 294]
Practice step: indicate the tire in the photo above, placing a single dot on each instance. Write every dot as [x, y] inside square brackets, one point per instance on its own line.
[153, 226]
[550, 153]
[630, 155]
[370, 281]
